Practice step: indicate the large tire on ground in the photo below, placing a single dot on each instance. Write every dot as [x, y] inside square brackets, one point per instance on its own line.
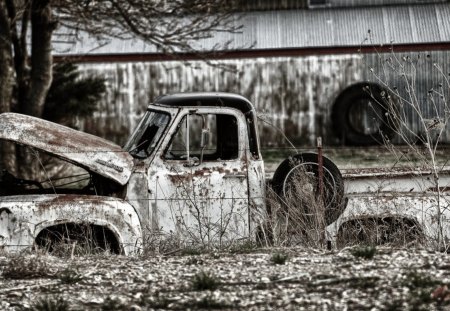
[296, 181]
[364, 114]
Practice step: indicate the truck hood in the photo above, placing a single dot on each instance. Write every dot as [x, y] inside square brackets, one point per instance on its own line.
[88, 151]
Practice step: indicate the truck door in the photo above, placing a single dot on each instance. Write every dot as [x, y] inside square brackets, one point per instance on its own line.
[198, 181]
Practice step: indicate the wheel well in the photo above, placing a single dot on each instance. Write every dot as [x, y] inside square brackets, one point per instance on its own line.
[85, 237]
[380, 230]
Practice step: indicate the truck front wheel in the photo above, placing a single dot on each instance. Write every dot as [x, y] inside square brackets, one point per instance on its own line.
[296, 182]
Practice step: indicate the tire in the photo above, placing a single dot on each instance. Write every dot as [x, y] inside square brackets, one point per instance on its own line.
[291, 172]
[364, 114]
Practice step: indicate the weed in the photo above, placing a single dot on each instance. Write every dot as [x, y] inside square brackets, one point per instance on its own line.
[21, 267]
[205, 281]
[51, 304]
[279, 258]
[69, 276]
[364, 251]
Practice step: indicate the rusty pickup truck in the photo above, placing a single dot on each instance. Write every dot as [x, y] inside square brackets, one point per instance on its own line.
[191, 171]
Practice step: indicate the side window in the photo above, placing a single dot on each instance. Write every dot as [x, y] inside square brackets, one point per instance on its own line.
[205, 137]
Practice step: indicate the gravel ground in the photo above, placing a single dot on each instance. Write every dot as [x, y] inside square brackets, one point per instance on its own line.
[394, 279]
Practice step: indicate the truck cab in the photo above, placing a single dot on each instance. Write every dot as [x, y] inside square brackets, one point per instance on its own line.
[199, 174]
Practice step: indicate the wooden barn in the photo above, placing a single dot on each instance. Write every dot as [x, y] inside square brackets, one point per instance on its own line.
[303, 64]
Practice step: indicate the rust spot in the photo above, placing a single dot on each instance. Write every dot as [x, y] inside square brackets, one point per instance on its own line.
[67, 199]
[179, 179]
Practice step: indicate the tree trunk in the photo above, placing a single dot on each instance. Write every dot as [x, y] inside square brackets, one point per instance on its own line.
[42, 26]
[5, 77]
[38, 82]
[5, 60]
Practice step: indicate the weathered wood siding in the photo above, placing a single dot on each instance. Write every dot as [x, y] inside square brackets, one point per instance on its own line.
[294, 94]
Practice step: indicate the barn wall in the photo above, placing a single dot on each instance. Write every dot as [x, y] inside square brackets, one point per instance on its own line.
[294, 94]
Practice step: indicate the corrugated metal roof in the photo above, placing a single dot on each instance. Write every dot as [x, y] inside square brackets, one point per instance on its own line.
[428, 23]
[265, 5]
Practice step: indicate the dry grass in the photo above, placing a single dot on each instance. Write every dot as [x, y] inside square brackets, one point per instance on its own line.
[299, 217]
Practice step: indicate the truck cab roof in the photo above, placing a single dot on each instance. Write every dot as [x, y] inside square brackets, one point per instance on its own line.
[205, 99]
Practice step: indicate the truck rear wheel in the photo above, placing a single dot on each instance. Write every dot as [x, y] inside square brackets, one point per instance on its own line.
[296, 181]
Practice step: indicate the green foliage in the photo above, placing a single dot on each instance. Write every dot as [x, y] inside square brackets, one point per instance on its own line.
[279, 258]
[205, 281]
[50, 304]
[72, 96]
[365, 251]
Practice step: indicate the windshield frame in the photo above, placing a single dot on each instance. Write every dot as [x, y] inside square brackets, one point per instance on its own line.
[133, 144]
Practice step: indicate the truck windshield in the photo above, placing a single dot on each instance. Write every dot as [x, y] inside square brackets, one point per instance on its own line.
[147, 135]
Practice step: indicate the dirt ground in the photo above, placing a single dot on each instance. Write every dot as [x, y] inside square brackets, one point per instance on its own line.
[243, 279]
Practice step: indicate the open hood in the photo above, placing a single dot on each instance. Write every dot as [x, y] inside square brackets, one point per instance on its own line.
[88, 151]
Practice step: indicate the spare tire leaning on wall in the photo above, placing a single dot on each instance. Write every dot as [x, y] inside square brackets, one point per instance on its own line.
[365, 114]
[296, 182]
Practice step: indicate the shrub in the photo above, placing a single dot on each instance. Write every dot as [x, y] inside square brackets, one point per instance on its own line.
[69, 276]
[279, 258]
[366, 252]
[205, 281]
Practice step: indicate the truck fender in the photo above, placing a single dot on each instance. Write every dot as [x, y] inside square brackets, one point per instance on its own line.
[30, 215]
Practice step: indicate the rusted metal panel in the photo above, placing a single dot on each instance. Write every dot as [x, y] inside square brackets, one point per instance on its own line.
[23, 217]
[394, 180]
[93, 153]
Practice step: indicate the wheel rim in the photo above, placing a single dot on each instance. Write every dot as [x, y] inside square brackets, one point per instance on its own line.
[330, 183]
